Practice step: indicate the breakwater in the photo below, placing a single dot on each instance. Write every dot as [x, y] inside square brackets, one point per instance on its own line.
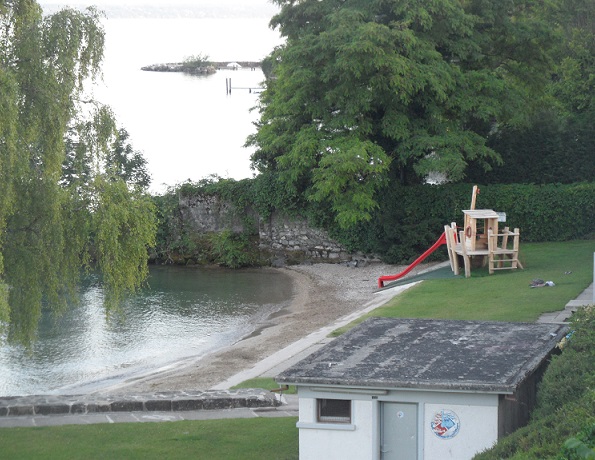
[208, 68]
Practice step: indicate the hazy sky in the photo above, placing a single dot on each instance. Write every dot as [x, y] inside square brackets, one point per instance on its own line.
[155, 2]
[144, 102]
[213, 6]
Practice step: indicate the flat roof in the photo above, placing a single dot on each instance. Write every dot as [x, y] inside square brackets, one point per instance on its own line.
[392, 353]
[481, 213]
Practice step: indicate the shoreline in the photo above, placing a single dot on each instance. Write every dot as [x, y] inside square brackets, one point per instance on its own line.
[322, 295]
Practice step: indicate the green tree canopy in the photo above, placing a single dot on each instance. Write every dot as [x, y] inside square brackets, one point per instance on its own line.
[557, 144]
[367, 92]
[574, 79]
[71, 192]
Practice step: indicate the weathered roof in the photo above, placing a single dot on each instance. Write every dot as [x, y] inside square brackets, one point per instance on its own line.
[484, 356]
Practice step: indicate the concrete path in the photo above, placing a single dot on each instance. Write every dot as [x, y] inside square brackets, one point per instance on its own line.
[56, 410]
[288, 409]
[285, 405]
[584, 299]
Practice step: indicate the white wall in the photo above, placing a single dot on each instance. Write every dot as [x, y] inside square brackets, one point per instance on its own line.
[335, 441]
[477, 431]
[477, 416]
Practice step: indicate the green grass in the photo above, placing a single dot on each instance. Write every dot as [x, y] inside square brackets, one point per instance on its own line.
[267, 383]
[503, 296]
[270, 438]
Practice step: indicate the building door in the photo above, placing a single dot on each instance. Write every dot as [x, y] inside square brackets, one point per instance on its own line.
[398, 431]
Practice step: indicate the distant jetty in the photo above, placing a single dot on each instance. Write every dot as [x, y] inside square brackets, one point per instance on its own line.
[212, 67]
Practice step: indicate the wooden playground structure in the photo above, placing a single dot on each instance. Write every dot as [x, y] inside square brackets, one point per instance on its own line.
[480, 239]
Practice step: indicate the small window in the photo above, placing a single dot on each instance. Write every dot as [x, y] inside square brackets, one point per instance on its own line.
[334, 410]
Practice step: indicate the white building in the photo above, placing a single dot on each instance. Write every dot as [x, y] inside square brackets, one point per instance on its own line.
[419, 389]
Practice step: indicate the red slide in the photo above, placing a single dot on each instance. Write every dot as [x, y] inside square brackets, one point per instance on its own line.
[436, 245]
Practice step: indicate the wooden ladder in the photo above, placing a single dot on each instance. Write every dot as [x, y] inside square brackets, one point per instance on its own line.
[500, 256]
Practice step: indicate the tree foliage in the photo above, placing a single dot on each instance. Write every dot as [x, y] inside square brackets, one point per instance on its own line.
[563, 423]
[71, 191]
[196, 61]
[557, 143]
[376, 91]
[573, 82]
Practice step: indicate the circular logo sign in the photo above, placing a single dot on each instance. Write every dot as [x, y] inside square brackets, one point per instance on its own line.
[445, 424]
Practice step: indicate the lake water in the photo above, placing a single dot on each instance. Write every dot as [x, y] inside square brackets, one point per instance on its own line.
[186, 126]
[185, 312]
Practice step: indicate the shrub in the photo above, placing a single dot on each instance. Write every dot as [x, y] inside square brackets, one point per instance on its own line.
[571, 374]
[565, 403]
[233, 250]
[195, 62]
[581, 447]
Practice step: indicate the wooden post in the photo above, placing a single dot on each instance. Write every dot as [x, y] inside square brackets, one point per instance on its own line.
[474, 196]
[492, 245]
[449, 247]
[450, 232]
[466, 257]
[515, 247]
[505, 246]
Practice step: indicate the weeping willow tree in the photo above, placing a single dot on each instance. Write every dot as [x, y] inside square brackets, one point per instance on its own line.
[68, 200]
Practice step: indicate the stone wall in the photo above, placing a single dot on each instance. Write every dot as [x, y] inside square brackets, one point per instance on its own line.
[164, 401]
[281, 235]
[208, 213]
[288, 235]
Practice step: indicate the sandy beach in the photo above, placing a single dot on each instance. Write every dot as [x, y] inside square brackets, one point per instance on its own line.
[322, 293]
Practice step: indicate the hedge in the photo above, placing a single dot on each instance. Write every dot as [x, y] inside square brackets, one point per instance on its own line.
[563, 423]
[411, 218]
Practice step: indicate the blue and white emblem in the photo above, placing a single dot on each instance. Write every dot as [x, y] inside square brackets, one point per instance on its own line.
[445, 424]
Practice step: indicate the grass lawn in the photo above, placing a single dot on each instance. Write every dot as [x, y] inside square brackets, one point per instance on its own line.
[504, 296]
[260, 438]
[268, 383]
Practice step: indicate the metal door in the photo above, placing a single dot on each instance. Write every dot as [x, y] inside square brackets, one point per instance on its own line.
[398, 431]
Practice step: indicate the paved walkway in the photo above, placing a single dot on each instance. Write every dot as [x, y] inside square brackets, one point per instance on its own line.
[55, 410]
[585, 298]
[216, 404]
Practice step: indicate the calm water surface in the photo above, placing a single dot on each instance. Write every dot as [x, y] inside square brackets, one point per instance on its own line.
[184, 313]
[186, 126]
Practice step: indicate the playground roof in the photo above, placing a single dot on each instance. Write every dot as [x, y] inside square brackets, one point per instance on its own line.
[481, 213]
[395, 353]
